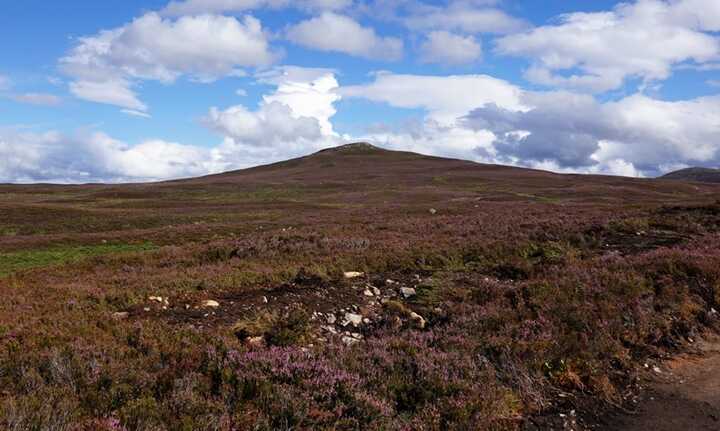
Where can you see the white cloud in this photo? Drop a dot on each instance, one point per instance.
(308, 92)
(194, 7)
(135, 113)
(55, 157)
(112, 92)
(291, 121)
(204, 47)
(447, 48)
(38, 99)
(575, 132)
(339, 33)
(598, 51)
(461, 15)
(445, 97)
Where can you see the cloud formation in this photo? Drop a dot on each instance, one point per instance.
(598, 51)
(339, 33)
(204, 47)
(446, 48)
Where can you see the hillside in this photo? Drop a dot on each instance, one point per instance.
(706, 175)
(354, 288)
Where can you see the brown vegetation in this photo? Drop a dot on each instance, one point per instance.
(539, 294)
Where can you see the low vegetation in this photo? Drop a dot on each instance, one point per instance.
(495, 310)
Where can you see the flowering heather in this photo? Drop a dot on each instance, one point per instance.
(522, 295)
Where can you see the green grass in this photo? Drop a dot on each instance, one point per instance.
(28, 259)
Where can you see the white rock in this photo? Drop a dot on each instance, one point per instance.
(265, 300)
(417, 320)
(433, 211)
(388, 281)
(349, 341)
(256, 341)
(408, 292)
(353, 274)
(209, 303)
(367, 292)
(331, 319)
(156, 299)
(353, 318)
(120, 315)
(376, 291)
(367, 321)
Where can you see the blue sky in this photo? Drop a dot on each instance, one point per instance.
(147, 90)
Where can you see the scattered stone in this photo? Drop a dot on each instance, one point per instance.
(408, 292)
(120, 315)
(433, 211)
(353, 274)
(256, 341)
(367, 321)
(388, 281)
(417, 320)
(331, 319)
(146, 309)
(265, 300)
(349, 341)
(657, 369)
(368, 292)
(355, 319)
(156, 299)
(329, 329)
(376, 291)
(209, 303)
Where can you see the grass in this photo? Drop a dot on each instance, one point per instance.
(29, 259)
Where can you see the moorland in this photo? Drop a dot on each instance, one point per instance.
(355, 288)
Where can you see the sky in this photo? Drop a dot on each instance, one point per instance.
(126, 91)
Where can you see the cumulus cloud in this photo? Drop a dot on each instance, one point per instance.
(466, 16)
(447, 48)
(291, 121)
(43, 99)
(575, 132)
(204, 47)
(445, 97)
(340, 33)
(194, 7)
(598, 51)
(56, 157)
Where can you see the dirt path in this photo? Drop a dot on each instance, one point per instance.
(684, 396)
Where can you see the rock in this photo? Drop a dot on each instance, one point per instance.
(146, 309)
(376, 291)
(408, 292)
(349, 341)
(433, 211)
(368, 292)
(355, 319)
(329, 329)
(159, 299)
(331, 319)
(209, 303)
(388, 281)
(367, 321)
(265, 300)
(120, 315)
(353, 274)
(255, 341)
(417, 320)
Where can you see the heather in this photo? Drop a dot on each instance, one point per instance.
(536, 294)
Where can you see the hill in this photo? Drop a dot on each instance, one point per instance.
(353, 288)
(706, 175)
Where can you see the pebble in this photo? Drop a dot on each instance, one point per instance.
(408, 292)
(209, 303)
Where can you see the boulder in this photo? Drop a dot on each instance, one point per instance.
(408, 292)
